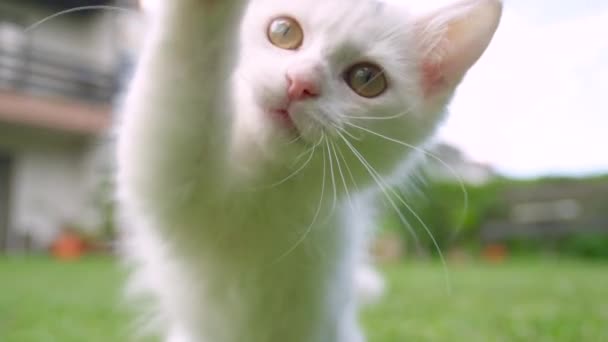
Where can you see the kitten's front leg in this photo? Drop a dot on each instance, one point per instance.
(191, 51)
(177, 115)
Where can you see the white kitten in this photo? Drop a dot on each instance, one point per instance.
(243, 157)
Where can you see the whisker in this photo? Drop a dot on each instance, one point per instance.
(395, 116)
(314, 219)
(384, 190)
(379, 180)
(296, 172)
(333, 179)
(78, 9)
(310, 149)
(348, 133)
(333, 147)
(295, 140)
(465, 193)
(352, 177)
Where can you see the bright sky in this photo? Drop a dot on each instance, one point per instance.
(537, 102)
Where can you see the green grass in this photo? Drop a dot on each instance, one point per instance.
(42, 300)
(47, 301)
(521, 301)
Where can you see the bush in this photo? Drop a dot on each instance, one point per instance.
(450, 219)
(441, 207)
(590, 246)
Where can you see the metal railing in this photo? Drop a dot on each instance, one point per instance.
(33, 71)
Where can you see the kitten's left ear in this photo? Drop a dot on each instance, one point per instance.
(452, 39)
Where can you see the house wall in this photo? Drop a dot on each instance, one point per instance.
(56, 176)
(47, 192)
(55, 184)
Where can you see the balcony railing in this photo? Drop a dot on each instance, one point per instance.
(33, 71)
(63, 4)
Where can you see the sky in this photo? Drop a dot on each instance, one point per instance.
(537, 102)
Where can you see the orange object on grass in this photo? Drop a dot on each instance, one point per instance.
(495, 253)
(68, 246)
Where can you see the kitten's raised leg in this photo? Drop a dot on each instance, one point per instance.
(178, 101)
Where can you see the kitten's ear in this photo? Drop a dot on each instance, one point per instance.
(452, 40)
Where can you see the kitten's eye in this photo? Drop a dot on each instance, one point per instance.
(286, 33)
(366, 79)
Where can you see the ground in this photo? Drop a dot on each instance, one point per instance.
(523, 300)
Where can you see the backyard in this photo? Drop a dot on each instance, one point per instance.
(522, 300)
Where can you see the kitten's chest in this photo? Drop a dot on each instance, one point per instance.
(261, 233)
(267, 276)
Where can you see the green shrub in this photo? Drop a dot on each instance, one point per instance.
(441, 206)
(449, 216)
(590, 246)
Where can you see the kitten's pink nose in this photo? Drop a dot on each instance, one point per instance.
(301, 87)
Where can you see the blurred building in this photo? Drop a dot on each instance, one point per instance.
(57, 86)
(451, 164)
(549, 210)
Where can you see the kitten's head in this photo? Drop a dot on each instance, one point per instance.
(335, 71)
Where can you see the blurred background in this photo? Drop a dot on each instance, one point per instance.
(525, 242)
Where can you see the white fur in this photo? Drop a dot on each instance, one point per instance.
(229, 253)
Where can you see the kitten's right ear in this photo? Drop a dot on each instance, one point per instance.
(452, 39)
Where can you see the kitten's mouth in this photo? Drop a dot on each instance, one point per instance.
(283, 117)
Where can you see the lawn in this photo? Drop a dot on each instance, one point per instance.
(525, 300)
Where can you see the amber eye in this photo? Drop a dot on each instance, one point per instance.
(286, 33)
(366, 79)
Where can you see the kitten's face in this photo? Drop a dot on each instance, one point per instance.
(314, 67)
(332, 71)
